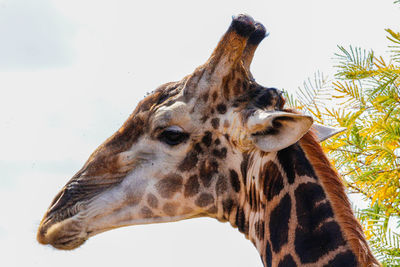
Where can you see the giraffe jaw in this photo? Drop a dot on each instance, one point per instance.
(72, 233)
(117, 207)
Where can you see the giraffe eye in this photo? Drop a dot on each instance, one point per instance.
(173, 136)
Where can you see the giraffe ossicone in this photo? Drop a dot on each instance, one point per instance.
(216, 144)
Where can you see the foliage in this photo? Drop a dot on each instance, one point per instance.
(385, 243)
(364, 97)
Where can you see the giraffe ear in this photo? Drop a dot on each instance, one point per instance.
(273, 131)
(325, 132)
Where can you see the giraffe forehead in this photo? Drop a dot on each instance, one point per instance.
(178, 112)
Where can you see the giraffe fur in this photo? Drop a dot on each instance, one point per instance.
(216, 144)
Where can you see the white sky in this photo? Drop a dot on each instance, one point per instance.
(72, 71)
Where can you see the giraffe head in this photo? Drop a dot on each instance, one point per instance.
(182, 152)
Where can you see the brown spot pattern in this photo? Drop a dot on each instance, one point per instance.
(273, 180)
(207, 138)
(215, 123)
(259, 228)
(205, 97)
(152, 201)
(207, 170)
(221, 185)
(221, 108)
(197, 148)
(189, 162)
(204, 200)
(168, 186)
(204, 119)
(220, 153)
(170, 208)
(133, 198)
(191, 186)
(234, 180)
(227, 205)
(243, 167)
(241, 222)
(146, 212)
(225, 85)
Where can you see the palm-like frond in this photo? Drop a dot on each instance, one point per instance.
(384, 242)
(291, 101)
(354, 63)
(394, 37)
(312, 95)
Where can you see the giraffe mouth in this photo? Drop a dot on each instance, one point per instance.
(68, 242)
(66, 235)
(60, 226)
(63, 226)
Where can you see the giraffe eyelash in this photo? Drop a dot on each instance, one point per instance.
(173, 136)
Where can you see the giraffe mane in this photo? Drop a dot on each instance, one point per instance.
(335, 191)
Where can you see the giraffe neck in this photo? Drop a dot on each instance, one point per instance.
(296, 213)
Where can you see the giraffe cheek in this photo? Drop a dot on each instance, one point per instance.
(169, 185)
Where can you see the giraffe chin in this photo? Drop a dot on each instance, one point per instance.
(64, 235)
(72, 244)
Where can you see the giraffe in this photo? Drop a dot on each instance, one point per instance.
(217, 144)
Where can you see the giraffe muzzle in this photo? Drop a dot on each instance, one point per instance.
(67, 234)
